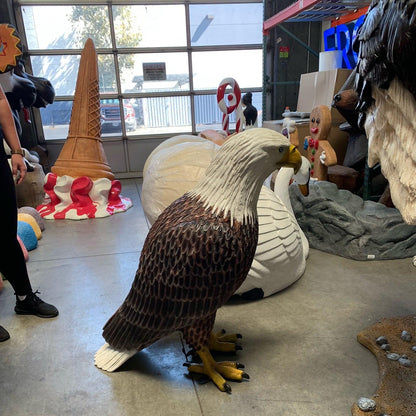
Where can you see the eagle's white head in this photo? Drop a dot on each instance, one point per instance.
(234, 178)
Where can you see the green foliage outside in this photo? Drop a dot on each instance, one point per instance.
(93, 22)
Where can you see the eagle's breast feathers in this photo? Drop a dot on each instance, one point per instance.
(190, 265)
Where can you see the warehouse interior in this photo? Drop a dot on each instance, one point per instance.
(301, 344)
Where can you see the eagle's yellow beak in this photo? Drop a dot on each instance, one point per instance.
(292, 159)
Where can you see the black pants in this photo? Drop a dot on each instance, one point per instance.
(12, 261)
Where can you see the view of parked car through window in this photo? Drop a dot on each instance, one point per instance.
(111, 119)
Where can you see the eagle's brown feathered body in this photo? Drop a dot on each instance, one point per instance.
(197, 254)
(190, 265)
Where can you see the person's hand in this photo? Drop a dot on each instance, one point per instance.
(18, 168)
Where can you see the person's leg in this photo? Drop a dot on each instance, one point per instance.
(12, 261)
(4, 335)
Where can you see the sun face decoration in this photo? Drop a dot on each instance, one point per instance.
(10, 47)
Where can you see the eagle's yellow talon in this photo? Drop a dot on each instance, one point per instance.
(221, 341)
(231, 373)
(218, 371)
(234, 364)
(223, 337)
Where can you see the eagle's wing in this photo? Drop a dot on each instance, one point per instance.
(191, 263)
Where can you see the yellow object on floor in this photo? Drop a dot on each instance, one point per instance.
(218, 371)
(32, 222)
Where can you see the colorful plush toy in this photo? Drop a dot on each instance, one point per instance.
(27, 235)
(24, 249)
(35, 214)
(32, 222)
(29, 229)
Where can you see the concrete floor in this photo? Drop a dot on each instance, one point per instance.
(299, 346)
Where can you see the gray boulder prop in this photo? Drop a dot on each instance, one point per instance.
(340, 222)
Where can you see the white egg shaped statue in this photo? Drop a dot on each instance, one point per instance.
(175, 167)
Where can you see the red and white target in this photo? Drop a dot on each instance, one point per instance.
(230, 102)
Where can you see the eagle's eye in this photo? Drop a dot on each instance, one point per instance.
(281, 149)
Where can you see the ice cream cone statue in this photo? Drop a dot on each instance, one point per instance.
(320, 152)
(81, 180)
(83, 153)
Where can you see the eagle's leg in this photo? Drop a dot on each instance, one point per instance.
(218, 372)
(220, 341)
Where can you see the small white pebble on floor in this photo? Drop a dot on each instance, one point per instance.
(381, 340)
(406, 336)
(366, 405)
(405, 362)
(393, 356)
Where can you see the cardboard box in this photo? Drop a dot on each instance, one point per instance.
(319, 88)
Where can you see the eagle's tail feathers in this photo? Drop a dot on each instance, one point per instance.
(109, 359)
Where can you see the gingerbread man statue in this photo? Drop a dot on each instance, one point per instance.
(320, 153)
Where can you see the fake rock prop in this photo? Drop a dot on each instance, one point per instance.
(340, 222)
(393, 342)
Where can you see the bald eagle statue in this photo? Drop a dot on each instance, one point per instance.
(196, 255)
(386, 88)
